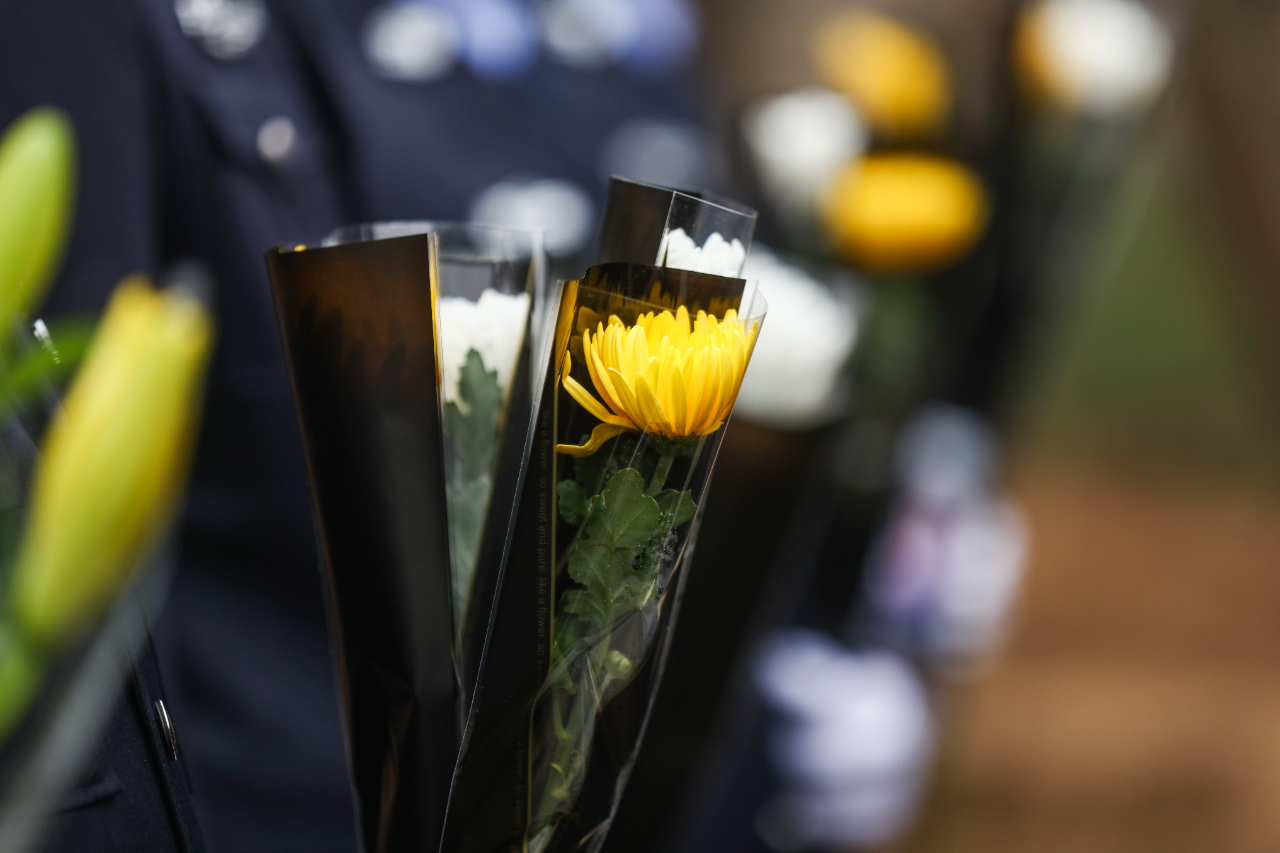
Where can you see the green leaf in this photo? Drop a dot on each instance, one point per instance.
(598, 567)
(677, 506)
(468, 502)
(625, 451)
(470, 436)
(620, 523)
(617, 664)
(572, 502)
(45, 364)
(592, 472)
(479, 387)
(636, 589)
(651, 559)
(585, 605)
(629, 517)
(20, 671)
(568, 632)
(471, 423)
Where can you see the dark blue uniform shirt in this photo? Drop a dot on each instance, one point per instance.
(171, 168)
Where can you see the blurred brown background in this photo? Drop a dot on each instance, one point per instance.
(1136, 705)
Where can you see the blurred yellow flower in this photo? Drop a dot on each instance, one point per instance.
(664, 375)
(898, 77)
(905, 212)
(114, 460)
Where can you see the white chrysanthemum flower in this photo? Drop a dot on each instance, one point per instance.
(802, 349)
(717, 256)
(800, 142)
(492, 326)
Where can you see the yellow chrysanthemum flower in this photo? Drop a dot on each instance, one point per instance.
(664, 375)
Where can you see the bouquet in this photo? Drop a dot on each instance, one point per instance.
(640, 376)
(407, 349)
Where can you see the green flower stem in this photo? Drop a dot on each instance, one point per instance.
(615, 562)
(568, 762)
(20, 671)
(660, 474)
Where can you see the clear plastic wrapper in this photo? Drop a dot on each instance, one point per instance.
(700, 232)
(640, 379)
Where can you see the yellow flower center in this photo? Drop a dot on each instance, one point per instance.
(665, 375)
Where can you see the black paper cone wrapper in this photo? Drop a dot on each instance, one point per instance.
(358, 328)
(591, 586)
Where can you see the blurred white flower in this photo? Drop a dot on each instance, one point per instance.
(793, 379)
(950, 578)
(589, 33)
(1100, 56)
(952, 559)
(660, 151)
(647, 37)
(984, 560)
(561, 210)
(667, 37)
(856, 735)
(799, 143)
(226, 29)
(945, 456)
(499, 37)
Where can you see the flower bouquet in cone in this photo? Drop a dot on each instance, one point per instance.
(641, 372)
(408, 350)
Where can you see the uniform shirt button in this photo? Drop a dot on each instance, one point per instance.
(277, 140)
(167, 733)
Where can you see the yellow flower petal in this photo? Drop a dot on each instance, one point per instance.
(679, 411)
(599, 436)
(586, 401)
(626, 396)
(710, 392)
(649, 405)
(598, 376)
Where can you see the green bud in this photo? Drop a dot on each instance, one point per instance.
(37, 194)
(617, 664)
(113, 463)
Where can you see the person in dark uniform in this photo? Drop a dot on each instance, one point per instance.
(214, 129)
